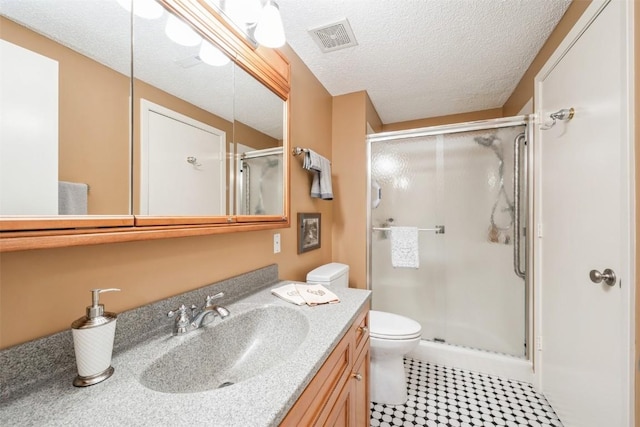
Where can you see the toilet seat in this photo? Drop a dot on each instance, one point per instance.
(392, 326)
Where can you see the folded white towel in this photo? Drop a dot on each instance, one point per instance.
(321, 186)
(301, 293)
(289, 293)
(72, 198)
(404, 247)
(316, 294)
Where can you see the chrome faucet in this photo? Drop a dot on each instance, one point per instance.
(185, 323)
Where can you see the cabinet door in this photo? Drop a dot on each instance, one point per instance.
(342, 413)
(361, 387)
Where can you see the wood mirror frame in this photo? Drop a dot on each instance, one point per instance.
(268, 66)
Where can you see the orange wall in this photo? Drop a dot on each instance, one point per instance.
(349, 170)
(43, 291)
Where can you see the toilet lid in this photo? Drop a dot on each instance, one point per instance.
(392, 326)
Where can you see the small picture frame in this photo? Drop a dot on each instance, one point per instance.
(308, 232)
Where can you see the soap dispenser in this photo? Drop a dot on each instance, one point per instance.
(93, 336)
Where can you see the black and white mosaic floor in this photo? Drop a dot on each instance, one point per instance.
(449, 397)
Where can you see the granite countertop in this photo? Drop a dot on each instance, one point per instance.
(262, 400)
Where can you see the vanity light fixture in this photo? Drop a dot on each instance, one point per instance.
(244, 11)
(181, 33)
(147, 9)
(210, 54)
(269, 31)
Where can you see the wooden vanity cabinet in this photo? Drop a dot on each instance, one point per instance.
(339, 393)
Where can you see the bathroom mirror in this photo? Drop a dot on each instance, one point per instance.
(196, 114)
(101, 106)
(65, 116)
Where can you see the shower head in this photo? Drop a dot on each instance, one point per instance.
(492, 142)
(485, 141)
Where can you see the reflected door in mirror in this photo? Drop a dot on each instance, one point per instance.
(183, 165)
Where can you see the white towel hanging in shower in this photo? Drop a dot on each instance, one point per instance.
(404, 247)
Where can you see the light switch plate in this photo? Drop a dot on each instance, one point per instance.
(276, 243)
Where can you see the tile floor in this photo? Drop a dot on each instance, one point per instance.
(447, 397)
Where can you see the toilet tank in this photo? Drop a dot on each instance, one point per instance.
(333, 274)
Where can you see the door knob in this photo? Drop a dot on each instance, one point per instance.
(608, 276)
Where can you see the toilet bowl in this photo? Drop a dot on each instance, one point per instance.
(391, 337)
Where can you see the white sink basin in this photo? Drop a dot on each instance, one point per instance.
(228, 352)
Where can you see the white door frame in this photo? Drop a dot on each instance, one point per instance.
(626, 169)
(146, 107)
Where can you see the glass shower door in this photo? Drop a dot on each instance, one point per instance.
(465, 291)
(259, 181)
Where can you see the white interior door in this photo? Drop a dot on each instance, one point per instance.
(28, 132)
(584, 223)
(183, 165)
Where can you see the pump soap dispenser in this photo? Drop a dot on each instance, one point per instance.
(93, 336)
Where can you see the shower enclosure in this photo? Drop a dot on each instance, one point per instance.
(259, 182)
(456, 184)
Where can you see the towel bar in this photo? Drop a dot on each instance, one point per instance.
(298, 150)
(439, 229)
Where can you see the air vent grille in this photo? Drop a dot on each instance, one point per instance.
(332, 37)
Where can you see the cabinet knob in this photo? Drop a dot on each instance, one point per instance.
(363, 329)
(357, 376)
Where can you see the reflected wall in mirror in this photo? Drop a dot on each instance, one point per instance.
(65, 113)
(195, 114)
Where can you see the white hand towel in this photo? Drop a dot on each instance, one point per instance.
(301, 293)
(316, 294)
(404, 247)
(289, 293)
(321, 166)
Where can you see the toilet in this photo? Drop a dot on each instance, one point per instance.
(391, 337)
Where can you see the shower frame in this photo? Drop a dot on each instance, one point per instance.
(522, 120)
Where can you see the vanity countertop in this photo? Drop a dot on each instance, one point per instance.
(262, 400)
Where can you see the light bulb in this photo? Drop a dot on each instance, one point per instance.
(243, 11)
(269, 31)
(147, 9)
(181, 33)
(209, 54)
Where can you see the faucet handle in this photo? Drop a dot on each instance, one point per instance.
(182, 322)
(180, 311)
(210, 298)
(222, 311)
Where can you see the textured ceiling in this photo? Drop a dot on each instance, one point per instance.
(424, 58)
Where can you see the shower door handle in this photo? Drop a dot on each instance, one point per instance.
(517, 268)
(608, 276)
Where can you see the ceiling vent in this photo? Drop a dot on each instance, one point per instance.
(332, 37)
